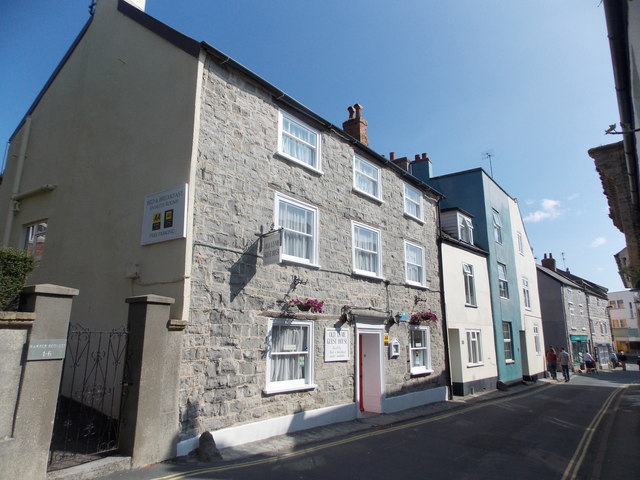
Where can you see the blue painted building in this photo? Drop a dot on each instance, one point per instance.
(476, 192)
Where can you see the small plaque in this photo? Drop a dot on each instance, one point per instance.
(46, 349)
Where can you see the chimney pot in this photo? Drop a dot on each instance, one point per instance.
(549, 262)
(356, 126)
(392, 156)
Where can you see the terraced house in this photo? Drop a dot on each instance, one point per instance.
(302, 265)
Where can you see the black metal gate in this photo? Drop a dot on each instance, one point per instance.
(92, 394)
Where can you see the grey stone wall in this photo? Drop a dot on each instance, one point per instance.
(233, 294)
(598, 316)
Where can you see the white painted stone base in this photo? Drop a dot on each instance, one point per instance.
(415, 399)
(252, 432)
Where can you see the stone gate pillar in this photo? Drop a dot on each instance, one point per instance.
(149, 420)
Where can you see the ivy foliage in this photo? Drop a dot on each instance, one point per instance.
(15, 266)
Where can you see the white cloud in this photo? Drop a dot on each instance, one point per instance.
(550, 210)
(573, 196)
(598, 242)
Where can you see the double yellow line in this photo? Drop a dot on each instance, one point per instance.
(355, 438)
(575, 463)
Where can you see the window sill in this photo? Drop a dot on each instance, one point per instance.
(473, 365)
(291, 261)
(415, 219)
(297, 388)
(421, 372)
(420, 286)
(509, 362)
(306, 166)
(368, 195)
(470, 305)
(369, 275)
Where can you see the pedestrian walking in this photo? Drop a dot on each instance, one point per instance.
(564, 362)
(552, 363)
(589, 362)
(614, 359)
(623, 359)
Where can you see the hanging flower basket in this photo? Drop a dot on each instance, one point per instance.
(423, 317)
(307, 305)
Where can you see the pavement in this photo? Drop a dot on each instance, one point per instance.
(285, 443)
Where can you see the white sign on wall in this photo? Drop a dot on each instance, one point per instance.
(272, 248)
(336, 345)
(165, 216)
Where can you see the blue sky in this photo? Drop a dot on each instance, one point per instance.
(529, 82)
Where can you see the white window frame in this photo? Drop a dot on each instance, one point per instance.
(425, 346)
(378, 272)
(526, 295)
(520, 244)
(465, 229)
(474, 348)
(280, 198)
(497, 226)
(536, 340)
(33, 232)
(410, 190)
(508, 342)
(422, 282)
(305, 383)
(316, 165)
(377, 179)
(469, 285)
(503, 283)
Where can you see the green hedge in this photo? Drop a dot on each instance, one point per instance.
(15, 266)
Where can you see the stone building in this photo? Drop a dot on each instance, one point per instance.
(623, 312)
(574, 313)
(188, 176)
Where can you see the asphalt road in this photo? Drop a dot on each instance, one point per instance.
(586, 429)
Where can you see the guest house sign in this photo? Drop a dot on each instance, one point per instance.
(165, 216)
(272, 247)
(336, 344)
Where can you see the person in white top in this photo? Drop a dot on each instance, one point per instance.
(589, 362)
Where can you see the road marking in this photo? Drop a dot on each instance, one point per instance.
(578, 457)
(263, 461)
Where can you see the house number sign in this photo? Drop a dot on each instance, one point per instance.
(46, 349)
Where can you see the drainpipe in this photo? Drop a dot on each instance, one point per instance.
(445, 331)
(16, 181)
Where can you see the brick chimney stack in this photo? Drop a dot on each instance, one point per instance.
(402, 162)
(356, 126)
(549, 262)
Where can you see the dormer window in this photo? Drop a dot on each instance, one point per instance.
(465, 229)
